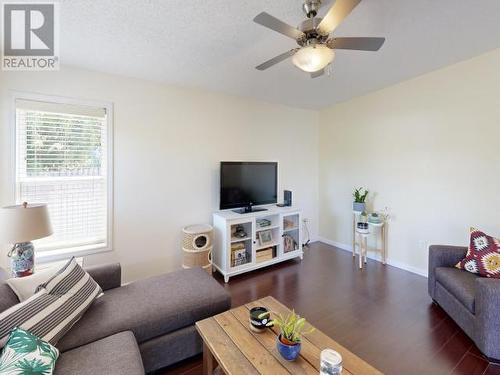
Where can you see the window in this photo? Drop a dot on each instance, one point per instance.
(63, 158)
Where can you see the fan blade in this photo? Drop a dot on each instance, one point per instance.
(265, 19)
(276, 59)
(317, 74)
(336, 15)
(360, 44)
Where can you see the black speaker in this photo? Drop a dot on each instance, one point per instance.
(287, 198)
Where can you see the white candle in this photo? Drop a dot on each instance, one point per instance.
(331, 362)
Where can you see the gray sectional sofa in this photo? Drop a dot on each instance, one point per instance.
(472, 301)
(138, 327)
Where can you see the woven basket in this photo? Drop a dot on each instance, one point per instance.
(197, 247)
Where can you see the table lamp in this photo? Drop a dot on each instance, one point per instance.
(19, 225)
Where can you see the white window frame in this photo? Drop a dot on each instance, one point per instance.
(54, 255)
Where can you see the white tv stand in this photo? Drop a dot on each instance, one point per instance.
(285, 221)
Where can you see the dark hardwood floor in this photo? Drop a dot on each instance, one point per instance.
(383, 314)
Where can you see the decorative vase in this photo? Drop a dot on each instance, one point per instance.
(358, 207)
(289, 352)
(22, 259)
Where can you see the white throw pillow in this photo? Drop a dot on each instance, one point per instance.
(25, 287)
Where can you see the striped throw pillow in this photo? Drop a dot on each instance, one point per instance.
(56, 306)
(64, 281)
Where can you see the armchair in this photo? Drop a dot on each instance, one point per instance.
(472, 301)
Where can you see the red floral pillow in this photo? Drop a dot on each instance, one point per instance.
(483, 256)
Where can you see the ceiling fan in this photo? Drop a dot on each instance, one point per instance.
(316, 47)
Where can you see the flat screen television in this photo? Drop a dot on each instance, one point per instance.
(247, 184)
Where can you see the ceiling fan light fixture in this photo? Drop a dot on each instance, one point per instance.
(313, 58)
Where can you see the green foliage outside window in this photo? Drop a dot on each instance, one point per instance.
(62, 145)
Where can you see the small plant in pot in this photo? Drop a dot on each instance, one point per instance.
(359, 203)
(291, 330)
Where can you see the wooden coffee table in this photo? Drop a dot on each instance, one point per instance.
(228, 340)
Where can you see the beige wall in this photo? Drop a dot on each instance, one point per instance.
(168, 143)
(428, 148)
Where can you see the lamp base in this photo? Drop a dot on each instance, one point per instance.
(22, 259)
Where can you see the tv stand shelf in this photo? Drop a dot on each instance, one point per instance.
(232, 256)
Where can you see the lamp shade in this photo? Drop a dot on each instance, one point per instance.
(313, 58)
(24, 223)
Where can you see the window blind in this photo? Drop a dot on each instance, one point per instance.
(62, 161)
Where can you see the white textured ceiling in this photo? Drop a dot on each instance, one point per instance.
(214, 45)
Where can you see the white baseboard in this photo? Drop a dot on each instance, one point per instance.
(335, 243)
(377, 257)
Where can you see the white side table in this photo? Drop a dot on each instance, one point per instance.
(363, 239)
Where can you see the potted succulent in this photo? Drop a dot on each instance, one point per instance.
(359, 195)
(291, 329)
